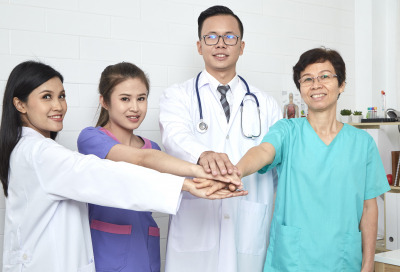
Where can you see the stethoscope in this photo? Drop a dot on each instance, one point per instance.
(202, 126)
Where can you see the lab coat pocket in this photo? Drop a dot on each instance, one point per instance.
(193, 227)
(352, 256)
(286, 252)
(87, 268)
(110, 245)
(153, 247)
(251, 233)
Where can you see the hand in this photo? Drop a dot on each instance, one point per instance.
(233, 178)
(220, 193)
(213, 163)
(214, 186)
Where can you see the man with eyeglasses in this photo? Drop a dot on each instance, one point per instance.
(208, 126)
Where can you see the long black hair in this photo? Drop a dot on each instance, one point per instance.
(24, 78)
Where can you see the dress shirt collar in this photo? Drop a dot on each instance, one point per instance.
(214, 83)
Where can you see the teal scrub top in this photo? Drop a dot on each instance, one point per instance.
(320, 196)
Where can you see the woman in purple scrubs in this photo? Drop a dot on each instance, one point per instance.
(125, 240)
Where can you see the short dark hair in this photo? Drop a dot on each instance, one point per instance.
(24, 78)
(320, 55)
(217, 10)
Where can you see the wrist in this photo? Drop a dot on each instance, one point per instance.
(186, 185)
(240, 171)
(368, 266)
(194, 170)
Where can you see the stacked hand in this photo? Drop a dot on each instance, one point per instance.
(210, 189)
(218, 176)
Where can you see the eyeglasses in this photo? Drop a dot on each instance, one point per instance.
(214, 39)
(308, 81)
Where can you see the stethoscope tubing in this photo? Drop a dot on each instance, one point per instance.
(241, 106)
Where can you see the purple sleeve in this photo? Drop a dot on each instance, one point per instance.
(94, 141)
(155, 146)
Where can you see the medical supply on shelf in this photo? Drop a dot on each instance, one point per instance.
(383, 95)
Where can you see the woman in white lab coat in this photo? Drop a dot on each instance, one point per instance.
(47, 186)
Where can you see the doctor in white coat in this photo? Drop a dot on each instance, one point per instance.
(230, 235)
(47, 186)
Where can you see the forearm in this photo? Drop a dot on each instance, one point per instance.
(154, 159)
(165, 163)
(369, 228)
(256, 158)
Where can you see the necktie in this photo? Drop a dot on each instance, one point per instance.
(225, 105)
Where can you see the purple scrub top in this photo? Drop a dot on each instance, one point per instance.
(123, 240)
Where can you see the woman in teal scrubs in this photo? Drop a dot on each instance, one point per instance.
(330, 173)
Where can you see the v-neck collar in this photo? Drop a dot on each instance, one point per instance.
(319, 138)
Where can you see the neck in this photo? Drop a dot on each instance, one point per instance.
(324, 122)
(125, 136)
(26, 123)
(223, 77)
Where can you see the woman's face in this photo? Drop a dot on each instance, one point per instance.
(320, 97)
(128, 104)
(45, 108)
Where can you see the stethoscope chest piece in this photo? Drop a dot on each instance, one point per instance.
(202, 127)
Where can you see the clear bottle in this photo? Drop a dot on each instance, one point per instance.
(383, 94)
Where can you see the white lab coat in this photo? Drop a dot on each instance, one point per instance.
(46, 223)
(229, 235)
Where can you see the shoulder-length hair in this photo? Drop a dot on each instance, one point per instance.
(24, 78)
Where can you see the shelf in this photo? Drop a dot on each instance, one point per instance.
(373, 125)
(397, 188)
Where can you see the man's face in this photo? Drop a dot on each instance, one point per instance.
(220, 57)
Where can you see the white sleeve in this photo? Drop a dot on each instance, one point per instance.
(65, 174)
(177, 126)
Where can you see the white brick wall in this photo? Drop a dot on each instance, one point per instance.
(81, 37)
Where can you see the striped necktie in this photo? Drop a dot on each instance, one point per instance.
(225, 105)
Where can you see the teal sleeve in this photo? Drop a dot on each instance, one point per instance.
(376, 182)
(276, 136)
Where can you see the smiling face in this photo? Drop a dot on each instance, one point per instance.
(220, 57)
(128, 104)
(45, 108)
(321, 97)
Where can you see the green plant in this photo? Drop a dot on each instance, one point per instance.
(357, 112)
(345, 112)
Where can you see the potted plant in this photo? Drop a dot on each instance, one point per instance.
(357, 116)
(346, 116)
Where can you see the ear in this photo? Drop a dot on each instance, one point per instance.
(199, 48)
(19, 105)
(242, 44)
(341, 88)
(103, 103)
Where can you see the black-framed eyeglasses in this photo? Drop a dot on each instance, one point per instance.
(213, 39)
